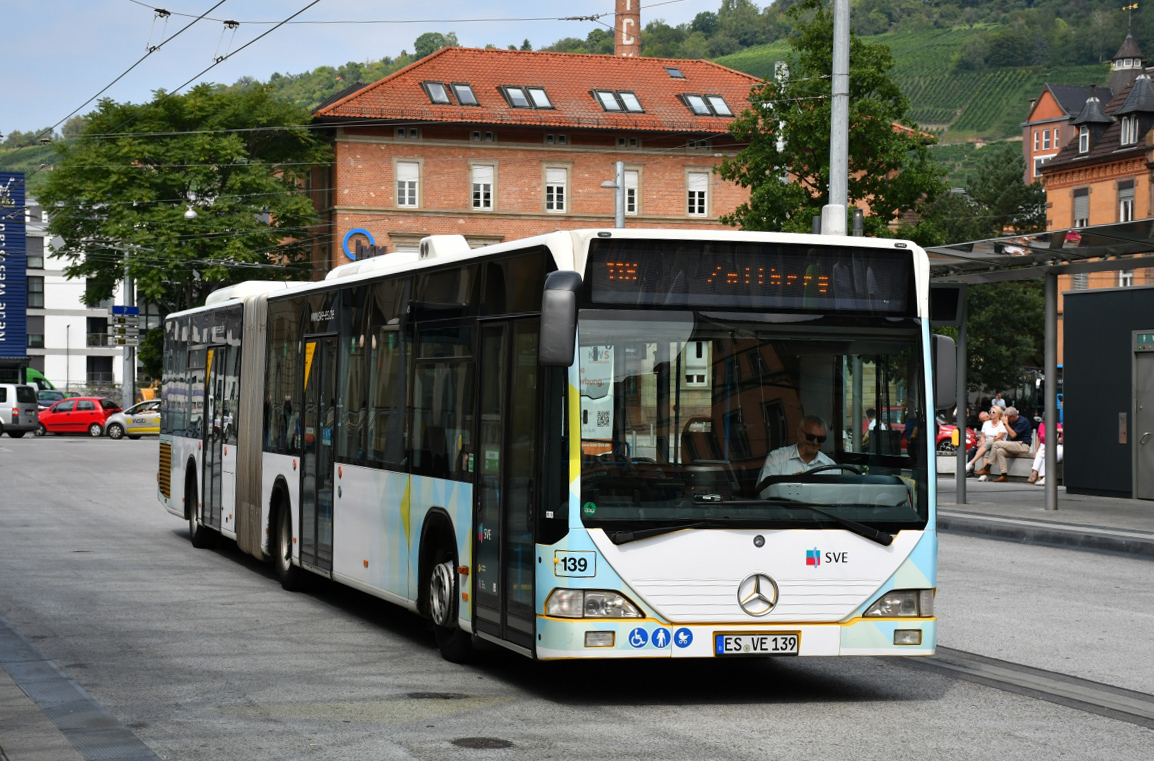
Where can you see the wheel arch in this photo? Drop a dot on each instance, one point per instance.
(436, 531)
(278, 496)
(190, 474)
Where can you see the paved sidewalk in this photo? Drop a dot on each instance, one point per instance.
(1017, 512)
(26, 734)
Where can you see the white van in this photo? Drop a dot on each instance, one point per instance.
(19, 412)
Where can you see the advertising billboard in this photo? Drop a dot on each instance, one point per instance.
(13, 267)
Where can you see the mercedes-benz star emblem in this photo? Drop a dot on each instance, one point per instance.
(757, 594)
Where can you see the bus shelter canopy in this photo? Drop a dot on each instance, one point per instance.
(1027, 257)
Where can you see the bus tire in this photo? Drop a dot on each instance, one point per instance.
(282, 551)
(201, 536)
(455, 644)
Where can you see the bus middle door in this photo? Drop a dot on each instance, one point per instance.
(216, 359)
(505, 470)
(320, 389)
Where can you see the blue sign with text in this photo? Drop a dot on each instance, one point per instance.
(13, 267)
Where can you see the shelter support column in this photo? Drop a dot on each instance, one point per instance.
(963, 398)
(1050, 416)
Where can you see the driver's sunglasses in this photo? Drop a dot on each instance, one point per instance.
(812, 438)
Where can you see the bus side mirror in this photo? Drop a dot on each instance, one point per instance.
(945, 372)
(559, 319)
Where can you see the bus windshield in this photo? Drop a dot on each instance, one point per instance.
(679, 410)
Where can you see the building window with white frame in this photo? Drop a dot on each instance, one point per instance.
(556, 189)
(1083, 140)
(483, 175)
(697, 193)
(1130, 129)
(1037, 139)
(1126, 201)
(1056, 132)
(1125, 278)
(631, 179)
(408, 183)
(1082, 207)
(1045, 140)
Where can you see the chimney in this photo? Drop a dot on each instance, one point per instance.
(628, 26)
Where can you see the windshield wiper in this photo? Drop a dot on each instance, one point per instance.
(874, 535)
(624, 537)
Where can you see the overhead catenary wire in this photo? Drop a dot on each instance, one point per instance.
(480, 20)
(150, 50)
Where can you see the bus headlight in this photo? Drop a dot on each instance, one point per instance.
(589, 603)
(904, 603)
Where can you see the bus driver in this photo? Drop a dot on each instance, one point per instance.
(803, 456)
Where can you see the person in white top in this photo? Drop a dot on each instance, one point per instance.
(993, 429)
(999, 402)
(801, 457)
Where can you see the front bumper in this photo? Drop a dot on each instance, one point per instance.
(647, 638)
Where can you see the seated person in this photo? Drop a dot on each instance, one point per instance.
(803, 456)
(1038, 473)
(1019, 437)
(993, 429)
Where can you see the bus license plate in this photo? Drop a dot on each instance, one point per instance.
(756, 643)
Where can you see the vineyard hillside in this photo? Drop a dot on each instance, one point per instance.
(956, 105)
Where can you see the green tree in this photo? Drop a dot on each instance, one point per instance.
(430, 42)
(996, 202)
(785, 165)
(1004, 333)
(120, 191)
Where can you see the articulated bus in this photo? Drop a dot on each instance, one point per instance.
(559, 444)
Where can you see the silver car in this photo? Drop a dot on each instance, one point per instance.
(18, 409)
(138, 420)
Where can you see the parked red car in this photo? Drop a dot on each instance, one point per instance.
(944, 442)
(82, 414)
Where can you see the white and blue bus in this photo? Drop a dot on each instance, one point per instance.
(557, 444)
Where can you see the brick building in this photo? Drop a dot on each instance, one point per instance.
(499, 144)
(1047, 126)
(1095, 163)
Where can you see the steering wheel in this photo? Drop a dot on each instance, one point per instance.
(774, 479)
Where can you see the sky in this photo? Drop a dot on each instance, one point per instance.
(60, 53)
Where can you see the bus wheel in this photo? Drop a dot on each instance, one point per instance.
(455, 644)
(282, 556)
(202, 536)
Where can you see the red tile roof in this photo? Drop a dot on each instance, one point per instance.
(568, 79)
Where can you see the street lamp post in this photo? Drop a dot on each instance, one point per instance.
(67, 355)
(618, 186)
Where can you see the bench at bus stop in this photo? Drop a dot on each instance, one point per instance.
(1020, 466)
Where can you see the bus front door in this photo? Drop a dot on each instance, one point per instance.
(216, 359)
(320, 389)
(505, 472)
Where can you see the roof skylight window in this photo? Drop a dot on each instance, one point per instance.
(517, 97)
(698, 105)
(674, 72)
(719, 106)
(608, 100)
(465, 94)
(539, 98)
(437, 92)
(619, 100)
(706, 105)
(630, 100)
